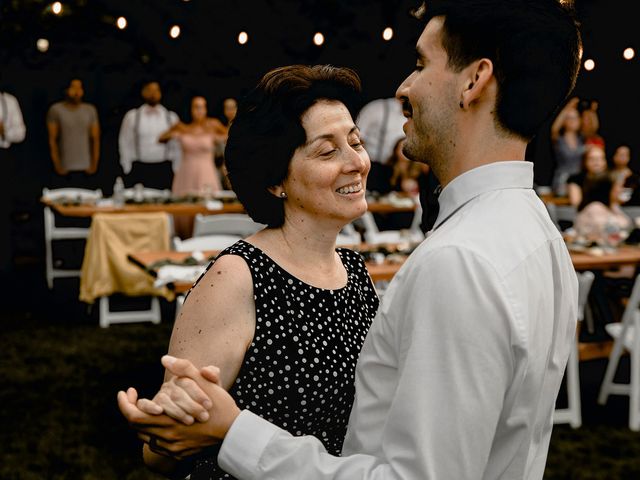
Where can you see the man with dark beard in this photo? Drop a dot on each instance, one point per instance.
(144, 159)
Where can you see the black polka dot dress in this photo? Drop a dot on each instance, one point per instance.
(298, 372)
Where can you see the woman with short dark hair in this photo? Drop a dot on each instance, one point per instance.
(283, 313)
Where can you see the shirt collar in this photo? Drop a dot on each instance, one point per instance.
(149, 110)
(486, 178)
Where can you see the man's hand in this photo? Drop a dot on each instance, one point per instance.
(163, 434)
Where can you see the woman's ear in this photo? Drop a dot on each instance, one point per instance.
(277, 191)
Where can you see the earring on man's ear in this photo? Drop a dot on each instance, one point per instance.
(283, 195)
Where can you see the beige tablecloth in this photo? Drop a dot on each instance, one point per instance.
(105, 268)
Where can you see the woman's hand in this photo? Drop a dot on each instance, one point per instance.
(181, 398)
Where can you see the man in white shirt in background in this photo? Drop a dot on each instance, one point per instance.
(144, 159)
(12, 130)
(459, 373)
(380, 122)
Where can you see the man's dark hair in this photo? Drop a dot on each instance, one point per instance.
(535, 47)
(268, 129)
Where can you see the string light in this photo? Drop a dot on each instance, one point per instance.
(174, 32)
(243, 38)
(589, 65)
(56, 8)
(387, 34)
(121, 23)
(628, 53)
(318, 39)
(42, 44)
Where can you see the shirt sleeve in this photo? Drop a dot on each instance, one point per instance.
(52, 115)
(14, 130)
(126, 142)
(174, 150)
(93, 115)
(447, 328)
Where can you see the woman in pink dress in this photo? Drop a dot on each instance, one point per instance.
(197, 174)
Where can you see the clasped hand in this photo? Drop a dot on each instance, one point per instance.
(189, 413)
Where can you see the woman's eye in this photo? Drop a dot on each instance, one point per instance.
(328, 153)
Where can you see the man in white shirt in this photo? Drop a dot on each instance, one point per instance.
(380, 122)
(144, 159)
(458, 376)
(12, 130)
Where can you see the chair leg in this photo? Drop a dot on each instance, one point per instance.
(612, 366)
(49, 263)
(634, 396)
(573, 387)
(104, 312)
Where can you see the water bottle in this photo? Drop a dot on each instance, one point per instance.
(118, 193)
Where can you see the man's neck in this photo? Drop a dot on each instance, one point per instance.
(480, 146)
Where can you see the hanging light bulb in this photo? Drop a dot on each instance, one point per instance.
(56, 8)
(243, 37)
(121, 23)
(387, 34)
(589, 64)
(174, 32)
(629, 53)
(42, 44)
(318, 39)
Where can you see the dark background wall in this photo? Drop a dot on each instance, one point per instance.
(206, 59)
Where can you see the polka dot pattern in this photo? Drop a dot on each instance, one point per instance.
(299, 371)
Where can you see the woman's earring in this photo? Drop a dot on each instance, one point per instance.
(283, 195)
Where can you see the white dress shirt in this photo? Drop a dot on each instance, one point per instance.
(11, 118)
(459, 373)
(380, 123)
(139, 133)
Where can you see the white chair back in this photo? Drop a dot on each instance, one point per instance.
(53, 232)
(238, 224)
(205, 242)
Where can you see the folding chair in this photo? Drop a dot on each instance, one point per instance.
(573, 413)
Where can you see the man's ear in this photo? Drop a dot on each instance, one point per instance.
(476, 81)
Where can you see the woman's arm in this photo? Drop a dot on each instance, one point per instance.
(215, 327)
(574, 191)
(556, 126)
(171, 133)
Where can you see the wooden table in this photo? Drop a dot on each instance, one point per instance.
(146, 260)
(88, 210)
(625, 255)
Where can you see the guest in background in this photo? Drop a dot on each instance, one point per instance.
(620, 170)
(600, 209)
(197, 174)
(594, 166)
(144, 159)
(401, 175)
(568, 146)
(12, 130)
(74, 137)
(380, 122)
(590, 123)
(229, 110)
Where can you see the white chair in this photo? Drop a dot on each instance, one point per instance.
(566, 213)
(626, 337)
(573, 413)
(373, 235)
(238, 224)
(53, 232)
(205, 242)
(109, 317)
(348, 236)
(631, 211)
